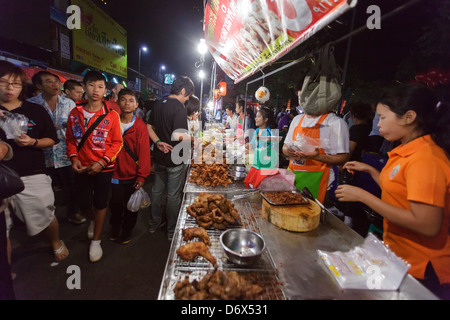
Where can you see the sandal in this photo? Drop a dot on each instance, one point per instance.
(62, 252)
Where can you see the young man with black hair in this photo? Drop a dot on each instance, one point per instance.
(132, 167)
(112, 98)
(73, 90)
(94, 140)
(167, 128)
(58, 166)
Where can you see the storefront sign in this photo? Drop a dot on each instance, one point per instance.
(64, 46)
(100, 42)
(246, 35)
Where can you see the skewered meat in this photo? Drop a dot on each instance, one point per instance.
(194, 249)
(196, 232)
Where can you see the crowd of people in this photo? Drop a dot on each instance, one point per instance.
(97, 151)
(97, 147)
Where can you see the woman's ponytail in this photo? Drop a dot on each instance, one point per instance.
(433, 116)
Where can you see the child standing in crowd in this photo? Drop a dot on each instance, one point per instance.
(35, 205)
(94, 140)
(132, 166)
(415, 184)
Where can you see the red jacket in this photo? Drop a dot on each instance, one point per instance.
(104, 143)
(112, 105)
(138, 140)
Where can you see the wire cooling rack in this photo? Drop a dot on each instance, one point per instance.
(234, 187)
(262, 273)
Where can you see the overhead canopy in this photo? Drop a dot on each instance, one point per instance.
(244, 36)
(63, 76)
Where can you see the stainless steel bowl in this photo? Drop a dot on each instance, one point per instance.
(242, 246)
(238, 175)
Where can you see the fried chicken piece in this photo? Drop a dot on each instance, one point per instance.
(236, 216)
(218, 285)
(252, 291)
(213, 210)
(229, 218)
(194, 249)
(196, 232)
(219, 226)
(205, 221)
(210, 175)
(217, 216)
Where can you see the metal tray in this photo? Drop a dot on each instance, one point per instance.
(177, 269)
(237, 186)
(306, 200)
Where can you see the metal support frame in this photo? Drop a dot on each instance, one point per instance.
(347, 36)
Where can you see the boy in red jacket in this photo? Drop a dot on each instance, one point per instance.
(93, 160)
(132, 166)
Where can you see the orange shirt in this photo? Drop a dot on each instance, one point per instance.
(418, 171)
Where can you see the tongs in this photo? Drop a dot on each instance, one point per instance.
(245, 195)
(310, 196)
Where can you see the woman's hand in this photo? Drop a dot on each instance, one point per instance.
(24, 141)
(354, 166)
(349, 193)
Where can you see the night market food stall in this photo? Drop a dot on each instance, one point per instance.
(293, 265)
(234, 242)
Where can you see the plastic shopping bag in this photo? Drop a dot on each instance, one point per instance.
(371, 265)
(138, 200)
(13, 124)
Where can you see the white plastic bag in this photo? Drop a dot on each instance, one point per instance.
(303, 143)
(13, 124)
(307, 144)
(371, 266)
(282, 181)
(138, 200)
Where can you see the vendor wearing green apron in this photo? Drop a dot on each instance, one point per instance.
(313, 169)
(264, 149)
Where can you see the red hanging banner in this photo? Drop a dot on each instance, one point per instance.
(246, 35)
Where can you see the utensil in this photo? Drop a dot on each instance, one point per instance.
(309, 195)
(242, 246)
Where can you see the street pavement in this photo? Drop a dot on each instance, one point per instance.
(126, 272)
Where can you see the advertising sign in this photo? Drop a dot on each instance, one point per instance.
(100, 42)
(246, 35)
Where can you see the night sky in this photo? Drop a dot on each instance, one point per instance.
(171, 30)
